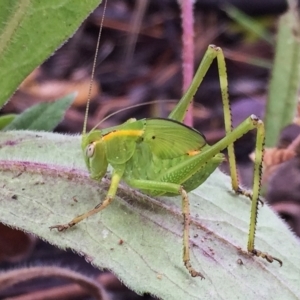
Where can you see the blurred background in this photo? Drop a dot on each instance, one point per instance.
(140, 60)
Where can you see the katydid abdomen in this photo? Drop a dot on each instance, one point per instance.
(179, 170)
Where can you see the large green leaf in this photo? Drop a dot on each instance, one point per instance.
(6, 119)
(44, 183)
(30, 30)
(42, 116)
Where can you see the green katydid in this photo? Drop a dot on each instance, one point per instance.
(164, 157)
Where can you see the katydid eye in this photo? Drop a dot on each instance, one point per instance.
(90, 149)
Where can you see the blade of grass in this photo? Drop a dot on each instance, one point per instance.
(284, 85)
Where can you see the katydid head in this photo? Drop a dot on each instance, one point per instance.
(94, 153)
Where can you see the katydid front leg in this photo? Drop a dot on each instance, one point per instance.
(115, 180)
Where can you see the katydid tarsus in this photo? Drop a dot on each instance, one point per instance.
(164, 157)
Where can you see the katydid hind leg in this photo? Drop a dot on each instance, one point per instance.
(186, 230)
(228, 123)
(259, 147)
(179, 111)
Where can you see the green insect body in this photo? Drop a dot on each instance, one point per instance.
(159, 150)
(165, 157)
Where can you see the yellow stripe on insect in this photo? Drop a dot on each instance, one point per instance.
(193, 152)
(118, 133)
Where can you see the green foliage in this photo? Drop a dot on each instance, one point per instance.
(6, 119)
(249, 24)
(285, 78)
(43, 116)
(285, 81)
(30, 30)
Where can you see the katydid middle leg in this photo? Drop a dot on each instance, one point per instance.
(167, 187)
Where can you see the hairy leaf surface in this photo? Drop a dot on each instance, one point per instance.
(44, 182)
